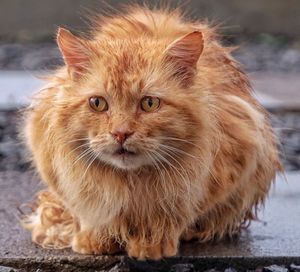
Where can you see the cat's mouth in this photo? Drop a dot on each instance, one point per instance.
(122, 151)
(124, 157)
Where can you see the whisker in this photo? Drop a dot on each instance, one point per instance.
(180, 165)
(176, 150)
(92, 160)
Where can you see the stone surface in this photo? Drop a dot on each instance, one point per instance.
(295, 268)
(275, 240)
(275, 268)
(8, 269)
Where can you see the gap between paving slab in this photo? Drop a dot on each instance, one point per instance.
(274, 90)
(273, 240)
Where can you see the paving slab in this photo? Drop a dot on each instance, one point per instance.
(275, 90)
(275, 239)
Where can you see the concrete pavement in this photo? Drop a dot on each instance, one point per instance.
(273, 240)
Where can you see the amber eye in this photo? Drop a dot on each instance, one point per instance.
(150, 103)
(98, 103)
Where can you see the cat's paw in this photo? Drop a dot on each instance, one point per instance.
(166, 248)
(85, 242)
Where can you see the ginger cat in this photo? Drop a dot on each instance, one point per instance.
(149, 134)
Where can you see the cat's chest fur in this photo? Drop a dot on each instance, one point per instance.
(99, 197)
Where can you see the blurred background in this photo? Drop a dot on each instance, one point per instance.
(267, 31)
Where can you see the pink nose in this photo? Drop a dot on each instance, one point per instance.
(121, 136)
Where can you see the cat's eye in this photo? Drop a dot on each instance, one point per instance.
(98, 103)
(150, 104)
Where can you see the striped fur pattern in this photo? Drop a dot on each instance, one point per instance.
(203, 162)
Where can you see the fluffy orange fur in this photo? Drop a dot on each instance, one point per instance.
(196, 167)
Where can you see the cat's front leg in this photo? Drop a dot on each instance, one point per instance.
(142, 250)
(90, 242)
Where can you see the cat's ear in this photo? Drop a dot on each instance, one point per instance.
(75, 52)
(184, 54)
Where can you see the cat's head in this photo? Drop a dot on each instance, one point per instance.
(132, 101)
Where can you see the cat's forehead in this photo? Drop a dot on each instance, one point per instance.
(127, 56)
(128, 67)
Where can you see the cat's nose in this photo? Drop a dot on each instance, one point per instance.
(121, 136)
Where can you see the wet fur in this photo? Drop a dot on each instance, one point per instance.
(222, 155)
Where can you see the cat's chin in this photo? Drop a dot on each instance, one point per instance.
(125, 161)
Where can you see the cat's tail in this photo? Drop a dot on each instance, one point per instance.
(50, 223)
